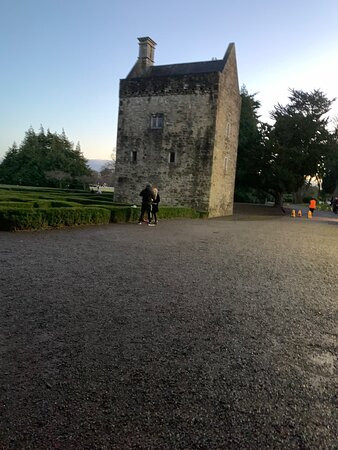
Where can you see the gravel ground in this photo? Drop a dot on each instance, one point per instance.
(194, 334)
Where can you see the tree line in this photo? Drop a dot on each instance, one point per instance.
(49, 159)
(297, 148)
(273, 159)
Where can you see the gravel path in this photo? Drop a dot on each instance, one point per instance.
(194, 334)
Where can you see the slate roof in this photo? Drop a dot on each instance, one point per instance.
(185, 68)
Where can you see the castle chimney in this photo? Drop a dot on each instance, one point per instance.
(146, 51)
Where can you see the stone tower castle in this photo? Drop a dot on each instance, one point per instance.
(178, 130)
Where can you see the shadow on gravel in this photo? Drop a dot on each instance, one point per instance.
(327, 221)
(249, 211)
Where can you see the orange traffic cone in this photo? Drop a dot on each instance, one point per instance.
(299, 214)
(293, 213)
(309, 215)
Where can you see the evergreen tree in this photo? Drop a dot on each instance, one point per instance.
(297, 145)
(330, 176)
(278, 158)
(249, 148)
(39, 155)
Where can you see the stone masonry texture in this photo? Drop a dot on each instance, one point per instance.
(200, 126)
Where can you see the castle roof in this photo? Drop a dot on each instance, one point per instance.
(144, 67)
(185, 68)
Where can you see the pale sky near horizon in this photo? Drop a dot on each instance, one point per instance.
(61, 60)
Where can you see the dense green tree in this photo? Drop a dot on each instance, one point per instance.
(278, 158)
(60, 177)
(249, 153)
(39, 156)
(297, 145)
(330, 176)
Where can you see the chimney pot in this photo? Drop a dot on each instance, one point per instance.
(146, 51)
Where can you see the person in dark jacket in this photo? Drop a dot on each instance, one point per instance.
(334, 203)
(147, 199)
(154, 206)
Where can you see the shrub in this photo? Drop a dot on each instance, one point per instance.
(129, 214)
(61, 204)
(15, 205)
(88, 201)
(169, 212)
(41, 204)
(41, 208)
(15, 199)
(32, 219)
(324, 207)
(250, 195)
(121, 213)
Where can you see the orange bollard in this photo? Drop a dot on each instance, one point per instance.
(309, 215)
(293, 213)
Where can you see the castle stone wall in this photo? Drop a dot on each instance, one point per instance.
(226, 141)
(200, 105)
(189, 109)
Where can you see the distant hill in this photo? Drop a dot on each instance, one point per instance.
(97, 164)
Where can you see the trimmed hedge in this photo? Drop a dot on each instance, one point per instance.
(61, 204)
(89, 201)
(37, 204)
(38, 208)
(119, 214)
(172, 212)
(130, 214)
(15, 205)
(15, 199)
(38, 218)
(33, 219)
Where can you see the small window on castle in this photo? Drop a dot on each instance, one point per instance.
(133, 156)
(156, 121)
(172, 157)
(228, 130)
(226, 159)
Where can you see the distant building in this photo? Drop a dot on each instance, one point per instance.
(178, 129)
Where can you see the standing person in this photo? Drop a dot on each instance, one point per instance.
(335, 205)
(312, 205)
(147, 199)
(154, 206)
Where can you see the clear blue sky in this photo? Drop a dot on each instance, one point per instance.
(61, 60)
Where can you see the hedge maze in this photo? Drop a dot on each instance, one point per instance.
(32, 208)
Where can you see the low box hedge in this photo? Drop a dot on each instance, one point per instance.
(172, 212)
(120, 214)
(89, 201)
(62, 204)
(7, 198)
(132, 214)
(44, 214)
(15, 205)
(33, 219)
